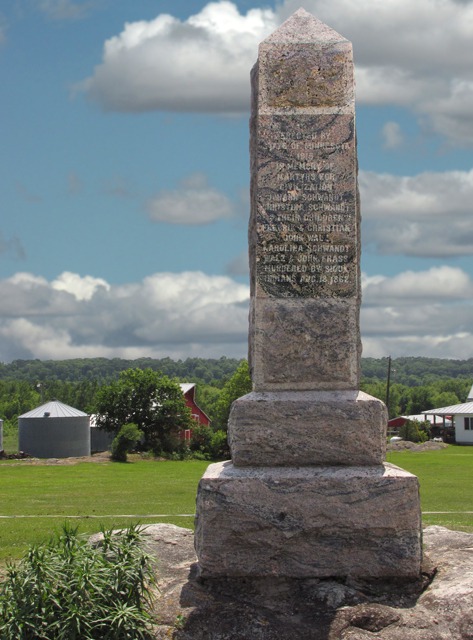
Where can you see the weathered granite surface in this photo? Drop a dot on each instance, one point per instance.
(304, 343)
(308, 522)
(304, 224)
(306, 495)
(437, 606)
(292, 428)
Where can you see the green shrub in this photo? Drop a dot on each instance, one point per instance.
(219, 449)
(68, 589)
(198, 455)
(415, 431)
(125, 441)
(201, 438)
(207, 444)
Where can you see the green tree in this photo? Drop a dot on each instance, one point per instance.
(149, 399)
(445, 399)
(238, 385)
(207, 397)
(420, 400)
(17, 397)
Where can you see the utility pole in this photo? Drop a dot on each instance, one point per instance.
(39, 386)
(388, 384)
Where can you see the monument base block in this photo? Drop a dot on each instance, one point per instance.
(292, 428)
(308, 522)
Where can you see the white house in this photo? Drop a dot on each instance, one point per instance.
(462, 417)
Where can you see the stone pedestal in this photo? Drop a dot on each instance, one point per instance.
(307, 494)
(308, 522)
(293, 428)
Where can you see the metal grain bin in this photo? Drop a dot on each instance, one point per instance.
(100, 440)
(54, 430)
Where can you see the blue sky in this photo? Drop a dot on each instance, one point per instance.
(125, 174)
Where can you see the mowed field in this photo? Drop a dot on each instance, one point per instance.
(36, 499)
(446, 484)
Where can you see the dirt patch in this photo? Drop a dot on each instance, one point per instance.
(405, 445)
(102, 457)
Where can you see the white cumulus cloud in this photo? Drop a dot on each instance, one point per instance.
(200, 64)
(194, 202)
(190, 314)
(392, 135)
(404, 52)
(426, 313)
(433, 286)
(82, 288)
(427, 215)
(167, 314)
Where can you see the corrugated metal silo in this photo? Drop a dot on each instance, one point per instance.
(54, 430)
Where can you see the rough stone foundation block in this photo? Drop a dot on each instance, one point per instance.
(310, 522)
(291, 428)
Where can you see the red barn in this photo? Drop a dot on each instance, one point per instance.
(188, 389)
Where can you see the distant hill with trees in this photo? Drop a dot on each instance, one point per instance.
(411, 372)
(414, 372)
(416, 384)
(104, 370)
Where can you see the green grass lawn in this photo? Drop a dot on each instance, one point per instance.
(10, 438)
(446, 484)
(98, 493)
(113, 494)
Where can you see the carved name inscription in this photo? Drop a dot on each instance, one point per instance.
(306, 222)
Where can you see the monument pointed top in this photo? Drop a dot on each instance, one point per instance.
(302, 26)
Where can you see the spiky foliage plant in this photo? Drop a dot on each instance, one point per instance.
(68, 589)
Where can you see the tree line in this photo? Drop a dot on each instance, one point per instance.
(408, 371)
(408, 401)
(416, 371)
(416, 384)
(103, 370)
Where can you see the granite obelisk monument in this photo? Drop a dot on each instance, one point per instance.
(307, 493)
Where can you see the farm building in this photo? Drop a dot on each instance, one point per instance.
(101, 440)
(188, 389)
(394, 424)
(462, 417)
(54, 430)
